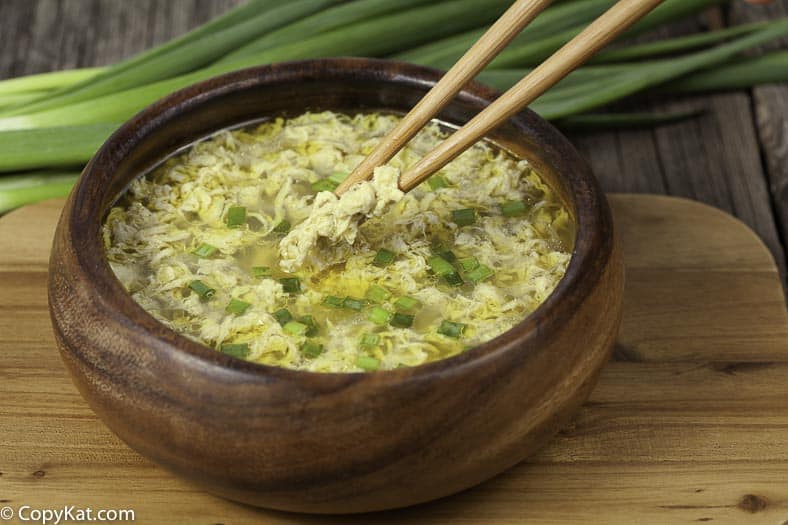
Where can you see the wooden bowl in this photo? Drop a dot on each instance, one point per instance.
(328, 443)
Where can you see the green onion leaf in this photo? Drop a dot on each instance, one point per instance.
(239, 350)
(464, 217)
(377, 294)
(379, 315)
(513, 208)
(333, 301)
(311, 349)
(338, 177)
(352, 303)
(236, 216)
(259, 272)
(283, 227)
(399, 320)
(291, 285)
(324, 185)
(454, 279)
(367, 363)
(237, 307)
(312, 328)
(205, 250)
(202, 289)
(440, 266)
(383, 258)
(479, 274)
(406, 303)
(283, 316)
(468, 263)
(437, 182)
(370, 340)
(295, 328)
(451, 329)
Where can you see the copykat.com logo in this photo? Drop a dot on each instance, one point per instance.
(68, 513)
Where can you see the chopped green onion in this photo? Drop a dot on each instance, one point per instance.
(239, 350)
(236, 216)
(448, 255)
(440, 266)
(333, 301)
(324, 185)
(370, 340)
(454, 279)
(311, 349)
(437, 181)
(480, 273)
(283, 316)
(383, 258)
(295, 328)
(377, 294)
(406, 303)
(468, 263)
(237, 307)
(464, 217)
(513, 208)
(202, 289)
(283, 227)
(379, 315)
(338, 177)
(451, 329)
(365, 362)
(261, 271)
(313, 329)
(401, 320)
(291, 285)
(205, 250)
(352, 303)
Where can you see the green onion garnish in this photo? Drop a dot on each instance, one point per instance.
(202, 289)
(352, 303)
(401, 320)
(377, 294)
(448, 255)
(261, 271)
(513, 208)
(379, 315)
(205, 250)
(313, 329)
(370, 340)
(406, 303)
(338, 177)
(324, 185)
(440, 266)
(333, 301)
(237, 307)
(283, 316)
(468, 263)
(283, 227)
(295, 328)
(451, 329)
(365, 362)
(291, 285)
(436, 182)
(383, 258)
(311, 349)
(236, 216)
(239, 350)
(464, 217)
(479, 273)
(454, 279)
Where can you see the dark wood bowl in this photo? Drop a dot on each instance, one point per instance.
(328, 443)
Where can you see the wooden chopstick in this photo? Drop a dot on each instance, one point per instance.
(508, 25)
(593, 38)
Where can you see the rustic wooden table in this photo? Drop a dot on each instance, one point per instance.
(735, 157)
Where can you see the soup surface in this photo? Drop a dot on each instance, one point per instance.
(202, 244)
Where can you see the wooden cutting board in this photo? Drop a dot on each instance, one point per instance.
(689, 422)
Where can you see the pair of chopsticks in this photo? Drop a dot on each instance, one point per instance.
(574, 53)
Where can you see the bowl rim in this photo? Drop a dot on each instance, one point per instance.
(592, 249)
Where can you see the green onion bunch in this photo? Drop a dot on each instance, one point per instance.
(51, 123)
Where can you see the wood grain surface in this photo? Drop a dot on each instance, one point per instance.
(735, 157)
(687, 425)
